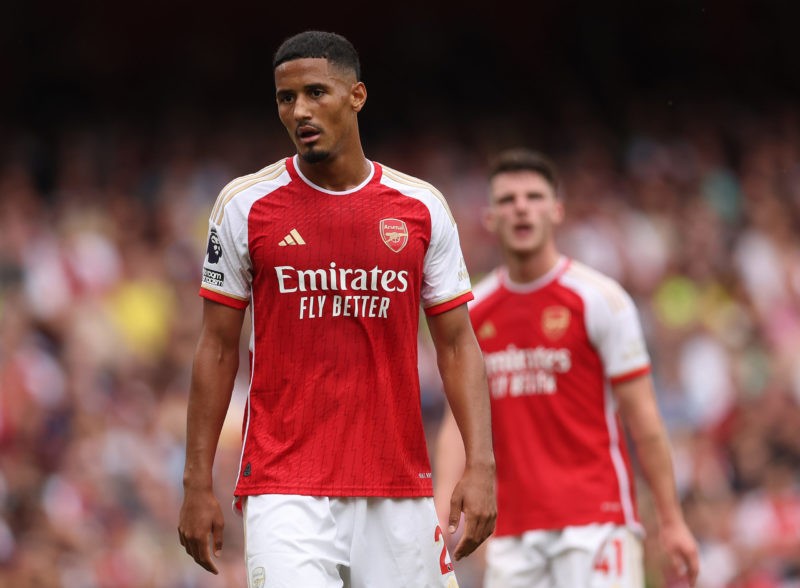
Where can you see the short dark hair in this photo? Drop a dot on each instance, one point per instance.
(523, 159)
(319, 44)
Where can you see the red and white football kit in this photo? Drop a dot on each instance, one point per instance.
(553, 348)
(334, 281)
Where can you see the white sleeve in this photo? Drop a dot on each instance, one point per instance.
(612, 322)
(227, 270)
(445, 275)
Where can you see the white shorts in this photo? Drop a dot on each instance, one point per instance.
(591, 556)
(296, 541)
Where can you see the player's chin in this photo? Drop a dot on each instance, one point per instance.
(314, 154)
(521, 246)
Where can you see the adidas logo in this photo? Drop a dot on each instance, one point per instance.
(293, 238)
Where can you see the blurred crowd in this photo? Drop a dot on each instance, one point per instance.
(696, 214)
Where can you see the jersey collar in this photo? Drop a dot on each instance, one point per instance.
(371, 174)
(524, 288)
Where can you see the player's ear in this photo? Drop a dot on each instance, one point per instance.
(358, 96)
(558, 211)
(489, 220)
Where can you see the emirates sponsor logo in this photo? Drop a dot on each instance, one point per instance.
(521, 372)
(555, 321)
(361, 289)
(394, 233)
(514, 359)
(333, 277)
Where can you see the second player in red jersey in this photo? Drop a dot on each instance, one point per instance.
(567, 366)
(550, 378)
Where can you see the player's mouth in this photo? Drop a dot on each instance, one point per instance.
(308, 134)
(522, 230)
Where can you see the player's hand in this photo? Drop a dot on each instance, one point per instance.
(680, 550)
(201, 517)
(474, 495)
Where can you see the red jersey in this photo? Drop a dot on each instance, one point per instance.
(552, 348)
(334, 281)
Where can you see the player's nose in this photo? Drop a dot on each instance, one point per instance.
(302, 110)
(520, 203)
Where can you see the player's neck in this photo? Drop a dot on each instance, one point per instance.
(527, 268)
(338, 173)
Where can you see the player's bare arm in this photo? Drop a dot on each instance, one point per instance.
(639, 411)
(448, 465)
(216, 362)
(464, 377)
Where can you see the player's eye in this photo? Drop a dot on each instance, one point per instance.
(505, 199)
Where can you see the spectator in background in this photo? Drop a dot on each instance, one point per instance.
(70, 373)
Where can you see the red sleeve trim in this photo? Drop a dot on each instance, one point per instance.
(449, 304)
(627, 377)
(222, 299)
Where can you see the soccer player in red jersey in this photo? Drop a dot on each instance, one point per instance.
(334, 254)
(565, 358)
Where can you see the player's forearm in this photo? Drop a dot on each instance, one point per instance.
(655, 459)
(448, 464)
(464, 379)
(639, 411)
(213, 373)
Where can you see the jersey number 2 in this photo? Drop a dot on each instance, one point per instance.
(445, 566)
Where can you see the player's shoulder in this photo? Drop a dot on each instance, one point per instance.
(594, 284)
(414, 187)
(262, 181)
(407, 181)
(486, 287)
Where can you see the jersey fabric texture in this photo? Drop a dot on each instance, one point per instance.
(334, 281)
(553, 347)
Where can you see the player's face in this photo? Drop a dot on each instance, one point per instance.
(523, 212)
(318, 103)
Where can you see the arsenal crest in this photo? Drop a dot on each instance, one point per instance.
(487, 330)
(394, 233)
(555, 320)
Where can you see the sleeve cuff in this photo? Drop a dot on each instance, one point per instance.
(237, 303)
(628, 376)
(449, 304)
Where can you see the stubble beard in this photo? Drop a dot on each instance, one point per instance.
(315, 156)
